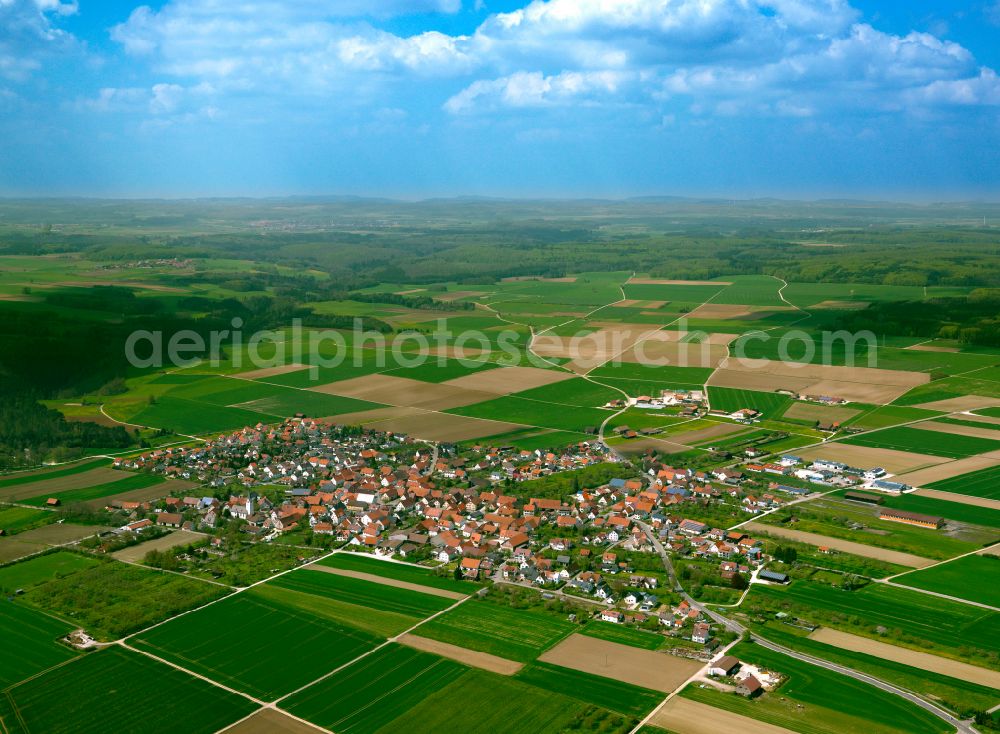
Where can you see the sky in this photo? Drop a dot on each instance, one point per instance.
(563, 98)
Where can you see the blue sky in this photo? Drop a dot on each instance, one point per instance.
(419, 98)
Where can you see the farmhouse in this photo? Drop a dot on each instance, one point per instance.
(725, 665)
(911, 518)
(749, 687)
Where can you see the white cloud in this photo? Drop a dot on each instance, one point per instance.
(28, 36)
(775, 57)
(533, 89)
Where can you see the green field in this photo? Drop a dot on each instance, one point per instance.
(477, 701)
(40, 569)
(680, 377)
(959, 695)
(751, 290)
(969, 424)
(909, 618)
(399, 571)
(19, 478)
(373, 691)
(30, 642)
(605, 692)
(382, 597)
(814, 700)
(575, 391)
(329, 607)
(889, 415)
(257, 644)
(623, 635)
(976, 578)
(918, 441)
(113, 599)
(535, 413)
(99, 491)
(122, 691)
(17, 519)
(983, 483)
(770, 404)
(520, 635)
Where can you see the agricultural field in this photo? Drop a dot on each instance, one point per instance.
(608, 693)
(624, 635)
(908, 618)
(126, 483)
(520, 635)
(213, 641)
(983, 483)
(112, 599)
(770, 404)
(816, 701)
(530, 412)
(42, 568)
(99, 692)
(975, 578)
(30, 643)
(934, 443)
(380, 597)
(859, 524)
(398, 571)
(373, 691)
(961, 687)
(531, 710)
(14, 520)
(44, 537)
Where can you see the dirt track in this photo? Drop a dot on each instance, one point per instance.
(684, 716)
(845, 546)
(271, 721)
(476, 659)
(921, 660)
(388, 582)
(656, 670)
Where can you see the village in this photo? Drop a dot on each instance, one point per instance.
(469, 511)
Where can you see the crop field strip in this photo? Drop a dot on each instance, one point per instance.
(927, 623)
(975, 578)
(213, 642)
(98, 692)
(517, 635)
(400, 571)
(373, 691)
(983, 483)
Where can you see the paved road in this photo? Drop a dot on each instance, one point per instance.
(963, 727)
